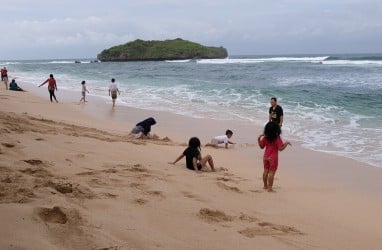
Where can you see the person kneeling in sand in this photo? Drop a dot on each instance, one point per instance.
(221, 139)
(13, 86)
(194, 159)
(143, 128)
(272, 143)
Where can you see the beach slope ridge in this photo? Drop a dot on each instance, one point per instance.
(176, 49)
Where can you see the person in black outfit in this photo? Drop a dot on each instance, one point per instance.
(276, 113)
(194, 159)
(143, 128)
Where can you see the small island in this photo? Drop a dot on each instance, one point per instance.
(176, 49)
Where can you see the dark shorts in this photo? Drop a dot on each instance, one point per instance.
(114, 95)
(199, 166)
(83, 93)
(4, 78)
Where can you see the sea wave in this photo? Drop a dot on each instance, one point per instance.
(262, 60)
(352, 62)
(178, 61)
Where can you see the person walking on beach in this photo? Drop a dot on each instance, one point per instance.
(272, 143)
(113, 90)
(84, 90)
(52, 86)
(4, 77)
(276, 113)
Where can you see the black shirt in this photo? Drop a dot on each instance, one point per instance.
(146, 125)
(190, 154)
(276, 113)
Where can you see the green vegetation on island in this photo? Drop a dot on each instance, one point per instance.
(176, 49)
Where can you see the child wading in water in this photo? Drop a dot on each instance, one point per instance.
(84, 90)
(272, 143)
(194, 159)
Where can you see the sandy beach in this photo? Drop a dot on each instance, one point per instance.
(71, 179)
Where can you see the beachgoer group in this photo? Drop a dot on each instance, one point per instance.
(269, 140)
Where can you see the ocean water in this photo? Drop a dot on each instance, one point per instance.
(332, 103)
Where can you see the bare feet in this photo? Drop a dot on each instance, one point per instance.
(270, 190)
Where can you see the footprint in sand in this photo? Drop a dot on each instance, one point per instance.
(140, 201)
(73, 190)
(210, 215)
(8, 145)
(229, 188)
(52, 215)
(269, 229)
(36, 172)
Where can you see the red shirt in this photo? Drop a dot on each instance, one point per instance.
(271, 148)
(51, 83)
(4, 72)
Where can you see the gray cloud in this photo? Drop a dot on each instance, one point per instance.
(72, 29)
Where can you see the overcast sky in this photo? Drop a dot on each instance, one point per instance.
(42, 29)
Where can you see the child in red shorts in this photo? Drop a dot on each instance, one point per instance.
(272, 143)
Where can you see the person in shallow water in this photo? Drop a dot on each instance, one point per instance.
(113, 90)
(276, 113)
(143, 128)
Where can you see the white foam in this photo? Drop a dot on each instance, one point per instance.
(262, 60)
(178, 61)
(352, 62)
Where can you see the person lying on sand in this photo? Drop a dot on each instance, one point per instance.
(221, 139)
(143, 128)
(194, 159)
(13, 86)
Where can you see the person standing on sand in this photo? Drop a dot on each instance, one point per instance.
(84, 90)
(276, 113)
(113, 90)
(4, 77)
(272, 143)
(52, 86)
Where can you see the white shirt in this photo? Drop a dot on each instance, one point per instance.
(221, 139)
(113, 87)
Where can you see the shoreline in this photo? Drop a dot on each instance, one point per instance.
(132, 115)
(72, 180)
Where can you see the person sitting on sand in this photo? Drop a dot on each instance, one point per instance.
(221, 139)
(272, 143)
(143, 128)
(194, 159)
(4, 77)
(113, 90)
(52, 86)
(84, 90)
(13, 86)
